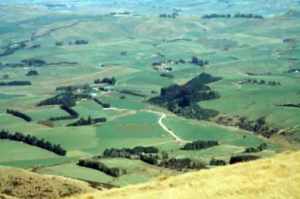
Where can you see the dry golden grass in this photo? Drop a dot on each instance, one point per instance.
(274, 178)
(17, 183)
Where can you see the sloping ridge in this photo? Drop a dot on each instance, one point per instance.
(274, 178)
(22, 184)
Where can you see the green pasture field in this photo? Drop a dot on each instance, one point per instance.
(125, 47)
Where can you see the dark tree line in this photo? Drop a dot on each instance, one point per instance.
(33, 141)
(65, 99)
(242, 158)
(182, 164)
(129, 153)
(103, 104)
(88, 121)
(72, 114)
(19, 114)
(290, 105)
(16, 83)
(151, 155)
(260, 82)
(228, 16)
(200, 144)
(34, 62)
(97, 165)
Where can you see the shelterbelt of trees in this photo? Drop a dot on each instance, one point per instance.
(32, 140)
(19, 114)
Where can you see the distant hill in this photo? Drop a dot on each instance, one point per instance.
(278, 177)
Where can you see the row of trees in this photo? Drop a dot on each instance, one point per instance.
(19, 114)
(238, 15)
(97, 165)
(242, 158)
(130, 153)
(103, 104)
(72, 114)
(260, 82)
(16, 83)
(88, 121)
(200, 144)
(34, 141)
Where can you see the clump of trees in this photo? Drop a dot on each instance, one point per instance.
(97, 165)
(106, 80)
(88, 121)
(200, 144)
(19, 114)
(16, 83)
(34, 141)
(217, 162)
(242, 158)
(257, 149)
(183, 99)
(197, 61)
(32, 73)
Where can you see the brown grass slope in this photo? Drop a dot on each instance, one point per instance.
(21, 184)
(274, 178)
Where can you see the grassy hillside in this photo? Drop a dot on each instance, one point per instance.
(277, 177)
(18, 183)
